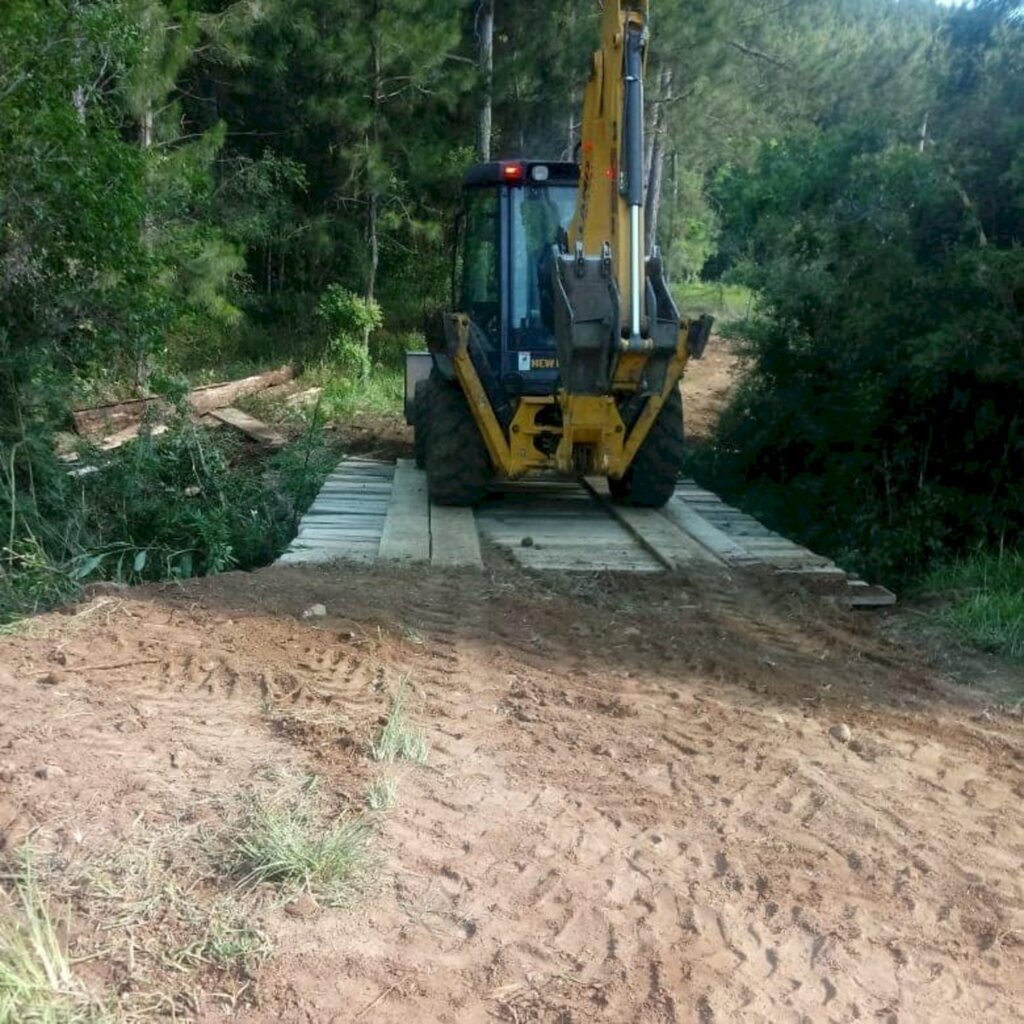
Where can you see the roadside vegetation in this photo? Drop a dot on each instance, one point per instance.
(295, 848)
(985, 595)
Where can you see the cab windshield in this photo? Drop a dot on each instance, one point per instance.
(538, 212)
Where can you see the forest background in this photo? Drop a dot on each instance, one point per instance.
(192, 189)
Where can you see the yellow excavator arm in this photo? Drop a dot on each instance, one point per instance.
(610, 207)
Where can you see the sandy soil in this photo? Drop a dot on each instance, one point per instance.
(634, 809)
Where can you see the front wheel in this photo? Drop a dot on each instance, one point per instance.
(651, 480)
(458, 466)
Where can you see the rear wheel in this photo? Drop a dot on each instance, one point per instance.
(458, 466)
(419, 424)
(651, 479)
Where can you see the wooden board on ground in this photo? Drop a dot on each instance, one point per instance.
(369, 511)
(250, 426)
(346, 521)
(406, 536)
(454, 541)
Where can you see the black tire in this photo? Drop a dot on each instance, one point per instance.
(458, 466)
(419, 424)
(652, 479)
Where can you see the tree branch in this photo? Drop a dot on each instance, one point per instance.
(759, 54)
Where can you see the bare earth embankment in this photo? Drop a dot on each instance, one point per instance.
(633, 808)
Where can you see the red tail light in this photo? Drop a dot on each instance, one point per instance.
(513, 172)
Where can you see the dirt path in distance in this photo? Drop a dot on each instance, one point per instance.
(634, 807)
(708, 385)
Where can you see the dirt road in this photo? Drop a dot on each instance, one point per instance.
(634, 807)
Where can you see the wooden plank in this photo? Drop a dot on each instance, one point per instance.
(249, 425)
(122, 437)
(406, 536)
(656, 534)
(718, 543)
(454, 541)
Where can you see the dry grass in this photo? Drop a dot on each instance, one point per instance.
(398, 740)
(37, 983)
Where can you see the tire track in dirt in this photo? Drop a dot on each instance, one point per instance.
(633, 809)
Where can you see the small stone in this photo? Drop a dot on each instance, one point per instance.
(842, 732)
(602, 751)
(7, 773)
(526, 542)
(177, 758)
(51, 679)
(303, 907)
(50, 771)
(193, 491)
(315, 611)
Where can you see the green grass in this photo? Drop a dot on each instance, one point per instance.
(727, 303)
(986, 595)
(296, 849)
(36, 980)
(398, 740)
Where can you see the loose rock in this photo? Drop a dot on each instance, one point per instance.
(303, 907)
(50, 771)
(842, 732)
(315, 611)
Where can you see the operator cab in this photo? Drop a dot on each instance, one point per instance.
(514, 213)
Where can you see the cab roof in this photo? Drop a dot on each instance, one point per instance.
(522, 172)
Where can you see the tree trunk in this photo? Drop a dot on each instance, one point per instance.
(656, 166)
(373, 199)
(485, 35)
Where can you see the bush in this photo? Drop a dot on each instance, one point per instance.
(881, 419)
(188, 503)
(349, 320)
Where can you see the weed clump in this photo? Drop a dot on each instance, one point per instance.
(292, 848)
(398, 740)
(382, 793)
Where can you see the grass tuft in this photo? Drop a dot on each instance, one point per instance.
(986, 594)
(382, 793)
(399, 741)
(36, 980)
(291, 848)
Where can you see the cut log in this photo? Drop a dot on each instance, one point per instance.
(217, 396)
(104, 419)
(249, 425)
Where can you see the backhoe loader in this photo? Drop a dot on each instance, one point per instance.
(566, 349)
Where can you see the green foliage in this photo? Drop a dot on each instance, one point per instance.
(398, 740)
(727, 303)
(186, 503)
(986, 595)
(349, 319)
(882, 419)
